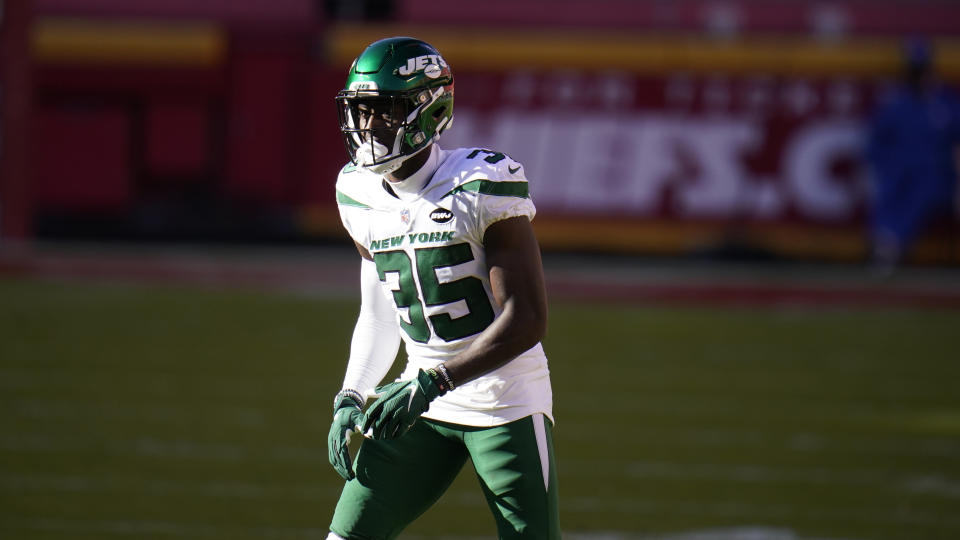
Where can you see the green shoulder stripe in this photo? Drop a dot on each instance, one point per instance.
(347, 201)
(489, 187)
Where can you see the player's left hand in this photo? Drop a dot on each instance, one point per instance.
(398, 406)
(347, 416)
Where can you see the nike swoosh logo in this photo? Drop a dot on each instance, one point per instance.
(413, 390)
(512, 170)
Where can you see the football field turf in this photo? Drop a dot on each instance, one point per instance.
(132, 411)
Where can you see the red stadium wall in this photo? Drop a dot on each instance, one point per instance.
(16, 105)
(214, 101)
(644, 127)
(744, 17)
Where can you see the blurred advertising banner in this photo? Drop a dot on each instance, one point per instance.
(674, 144)
(677, 147)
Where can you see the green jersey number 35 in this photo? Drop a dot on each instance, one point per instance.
(434, 293)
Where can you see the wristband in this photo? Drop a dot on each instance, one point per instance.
(448, 381)
(437, 380)
(348, 393)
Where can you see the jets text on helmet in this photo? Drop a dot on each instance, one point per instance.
(420, 63)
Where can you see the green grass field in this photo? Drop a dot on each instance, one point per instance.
(148, 412)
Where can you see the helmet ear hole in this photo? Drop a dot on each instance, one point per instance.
(439, 112)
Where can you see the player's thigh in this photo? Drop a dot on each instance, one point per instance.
(396, 481)
(516, 466)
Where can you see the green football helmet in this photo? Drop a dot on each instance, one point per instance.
(397, 100)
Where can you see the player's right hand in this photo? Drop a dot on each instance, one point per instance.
(398, 406)
(347, 417)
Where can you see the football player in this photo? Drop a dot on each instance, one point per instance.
(451, 267)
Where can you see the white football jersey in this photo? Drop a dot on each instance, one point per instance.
(428, 250)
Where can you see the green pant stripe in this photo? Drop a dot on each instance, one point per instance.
(511, 463)
(542, 449)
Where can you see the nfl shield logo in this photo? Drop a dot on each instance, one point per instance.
(405, 216)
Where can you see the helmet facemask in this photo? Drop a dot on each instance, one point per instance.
(381, 130)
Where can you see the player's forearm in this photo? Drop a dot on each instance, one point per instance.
(373, 349)
(518, 328)
(516, 280)
(376, 337)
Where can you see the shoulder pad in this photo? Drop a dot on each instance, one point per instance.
(486, 172)
(353, 187)
(488, 164)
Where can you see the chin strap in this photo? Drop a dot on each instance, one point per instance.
(392, 165)
(386, 168)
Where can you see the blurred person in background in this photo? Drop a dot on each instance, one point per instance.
(451, 266)
(913, 150)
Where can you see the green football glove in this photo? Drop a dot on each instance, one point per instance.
(399, 405)
(347, 416)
